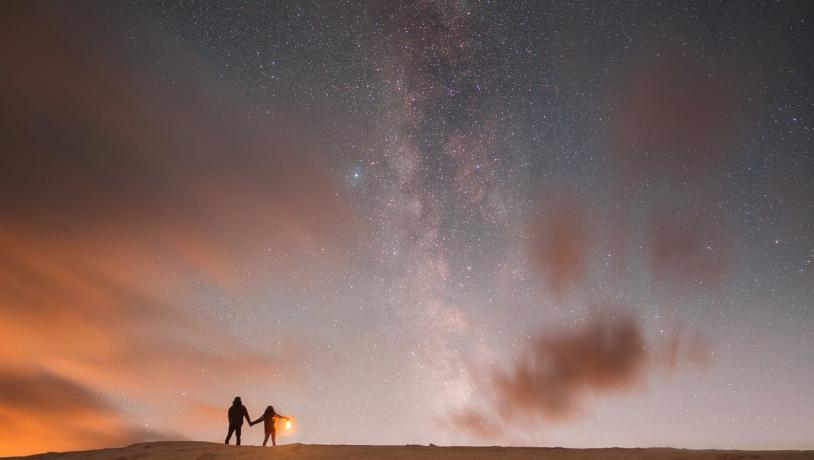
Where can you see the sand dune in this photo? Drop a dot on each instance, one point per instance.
(182, 450)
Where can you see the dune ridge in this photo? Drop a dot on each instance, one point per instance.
(196, 450)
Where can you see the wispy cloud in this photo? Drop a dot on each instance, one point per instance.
(559, 370)
(123, 197)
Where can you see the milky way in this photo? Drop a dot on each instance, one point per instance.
(426, 222)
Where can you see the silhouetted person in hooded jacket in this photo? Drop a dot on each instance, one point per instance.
(236, 415)
(268, 423)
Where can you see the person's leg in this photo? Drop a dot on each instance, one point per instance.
(265, 441)
(273, 437)
(229, 436)
(237, 434)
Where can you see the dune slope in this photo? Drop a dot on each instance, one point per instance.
(182, 450)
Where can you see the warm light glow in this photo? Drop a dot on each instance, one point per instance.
(285, 426)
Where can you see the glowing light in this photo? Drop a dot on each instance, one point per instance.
(285, 426)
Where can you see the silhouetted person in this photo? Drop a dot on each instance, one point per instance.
(236, 415)
(268, 418)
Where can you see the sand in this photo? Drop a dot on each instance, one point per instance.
(182, 450)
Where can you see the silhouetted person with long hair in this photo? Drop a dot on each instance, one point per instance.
(268, 418)
(236, 415)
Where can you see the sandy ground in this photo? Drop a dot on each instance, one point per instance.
(182, 450)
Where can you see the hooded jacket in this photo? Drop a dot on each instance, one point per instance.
(237, 413)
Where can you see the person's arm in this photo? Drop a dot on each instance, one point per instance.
(246, 414)
(257, 421)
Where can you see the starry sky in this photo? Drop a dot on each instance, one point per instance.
(581, 224)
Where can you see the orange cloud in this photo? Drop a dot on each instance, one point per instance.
(558, 370)
(41, 409)
(474, 422)
(562, 236)
(122, 197)
(672, 114)
(606, 354)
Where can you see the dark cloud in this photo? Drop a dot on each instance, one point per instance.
(557, 370)
(94, 138)
(550, 381)
(684, 348)
(561, 238)
(476, 423)
(672, 114)
(123, 193)
(41, 408)
(675, 121)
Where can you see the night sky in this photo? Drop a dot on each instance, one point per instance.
(450, 222)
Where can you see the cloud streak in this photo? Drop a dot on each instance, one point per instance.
(553, 377)
(42, 408)
(124, 197)
(562, 236)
